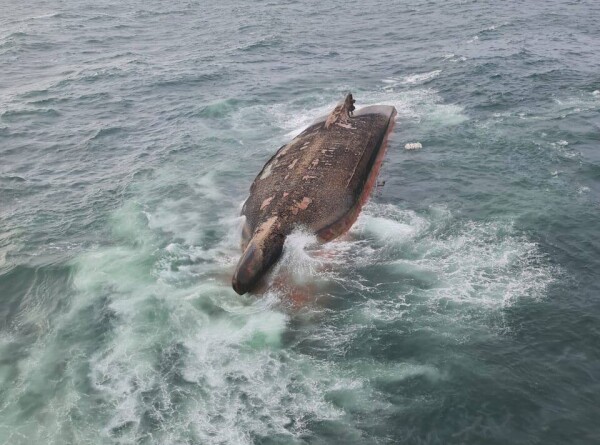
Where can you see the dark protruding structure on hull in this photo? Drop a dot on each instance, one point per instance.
(320, 181)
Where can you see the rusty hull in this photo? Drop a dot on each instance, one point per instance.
(318, 181)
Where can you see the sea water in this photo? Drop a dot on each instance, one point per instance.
(463, 306)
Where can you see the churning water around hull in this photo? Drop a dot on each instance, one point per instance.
(460, 308)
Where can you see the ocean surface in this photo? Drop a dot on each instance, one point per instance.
(463, 307)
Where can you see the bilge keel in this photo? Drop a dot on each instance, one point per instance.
(319, 181)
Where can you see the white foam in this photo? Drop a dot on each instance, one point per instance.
(447, 115)
(486, 265)
(566, 106)
(297, 261)
(421, 77)
(287, 116)
(420, 105)
(180, 348)
(482, 265)
(454, 58)
(388, 310)
(563, 148)
(230, 345)
(207, 186)
(390, 224)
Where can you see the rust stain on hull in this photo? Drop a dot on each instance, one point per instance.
(318, 181)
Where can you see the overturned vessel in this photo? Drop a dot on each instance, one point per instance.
(318, 181)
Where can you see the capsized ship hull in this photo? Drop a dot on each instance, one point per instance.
(320, 181)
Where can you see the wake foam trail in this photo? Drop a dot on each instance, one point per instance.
(181, 356)
(164, 350)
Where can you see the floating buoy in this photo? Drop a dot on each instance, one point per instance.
(413, 146)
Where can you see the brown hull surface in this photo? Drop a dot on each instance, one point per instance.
(319, 181)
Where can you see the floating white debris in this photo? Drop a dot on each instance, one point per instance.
(583, 190)
(413, 146)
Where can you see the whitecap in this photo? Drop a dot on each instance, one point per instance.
(421, 77)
